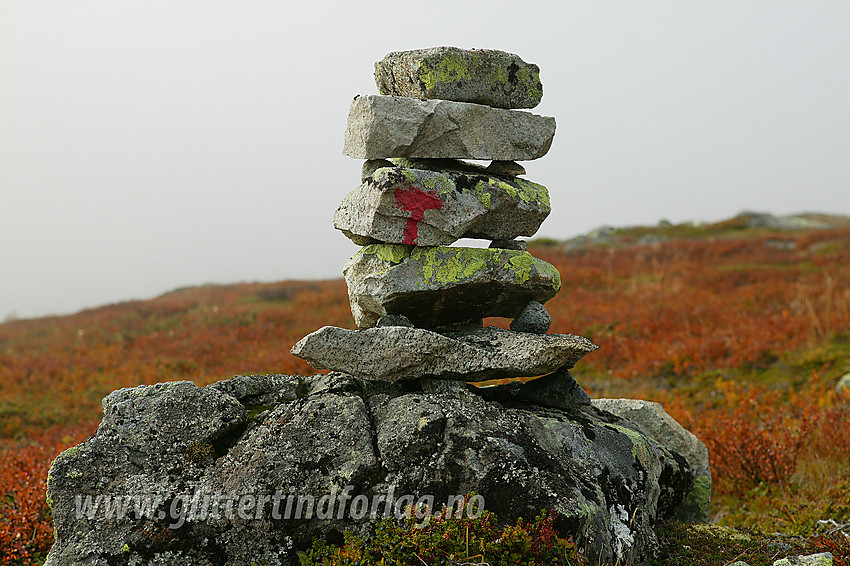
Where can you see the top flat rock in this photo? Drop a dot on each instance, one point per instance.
(381, 127)
(483, 76)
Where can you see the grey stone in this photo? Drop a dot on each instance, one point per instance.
(464, 326)
(822, 559)
(843, 385)
(652, 420)
(558, 390)
(505, 169)
(520, 245)
(334, 382)
(651, 240)
(394, 320)
(484, 76)
(532, 318)
(443, 386)
(395, 353)
(608, 483)
(401, 205)
(169, 416)
(256, 390)
(394, 126)
(372, 165)
(760, 219)
(780, 244)
(435, 286)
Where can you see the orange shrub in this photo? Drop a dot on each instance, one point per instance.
(755, 443)
(26, 530)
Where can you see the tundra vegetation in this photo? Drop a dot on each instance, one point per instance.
(740, 332)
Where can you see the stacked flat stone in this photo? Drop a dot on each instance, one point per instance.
(419, 302)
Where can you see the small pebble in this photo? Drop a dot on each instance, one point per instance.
(505, 169)
(520, 245)
(394, 320)
(532, 318)
(372, 165)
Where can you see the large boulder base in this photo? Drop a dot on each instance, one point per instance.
(608, 483)
(391, 353)
(653, 421)
(436, 286)
(380, 127)
(402, 205)
(483, 76)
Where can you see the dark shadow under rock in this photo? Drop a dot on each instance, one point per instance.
(558, 390)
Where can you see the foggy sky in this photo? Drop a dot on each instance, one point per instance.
(152, 144)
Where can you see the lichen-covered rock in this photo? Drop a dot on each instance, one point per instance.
(154, 442)
(652, 420)
(395, 126)
(821, 559)
(434, 286)
(484, 76)
(259, 390)
(401, 205)
(168, 417)
(301, 472)
(390, 353)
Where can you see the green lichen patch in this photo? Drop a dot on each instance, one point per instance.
(392, 253)
(532, 192)
(529, 77)
(69, 453)
(521, 265)
(451, 68)
(443, 268)
(255, 411)
(200, 452)
(447, 265)
(640, 445)
(484, 196)
(700, 493)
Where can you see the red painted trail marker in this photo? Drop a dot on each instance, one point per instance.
(416, 201)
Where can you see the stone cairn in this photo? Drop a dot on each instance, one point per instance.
(418, 301)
